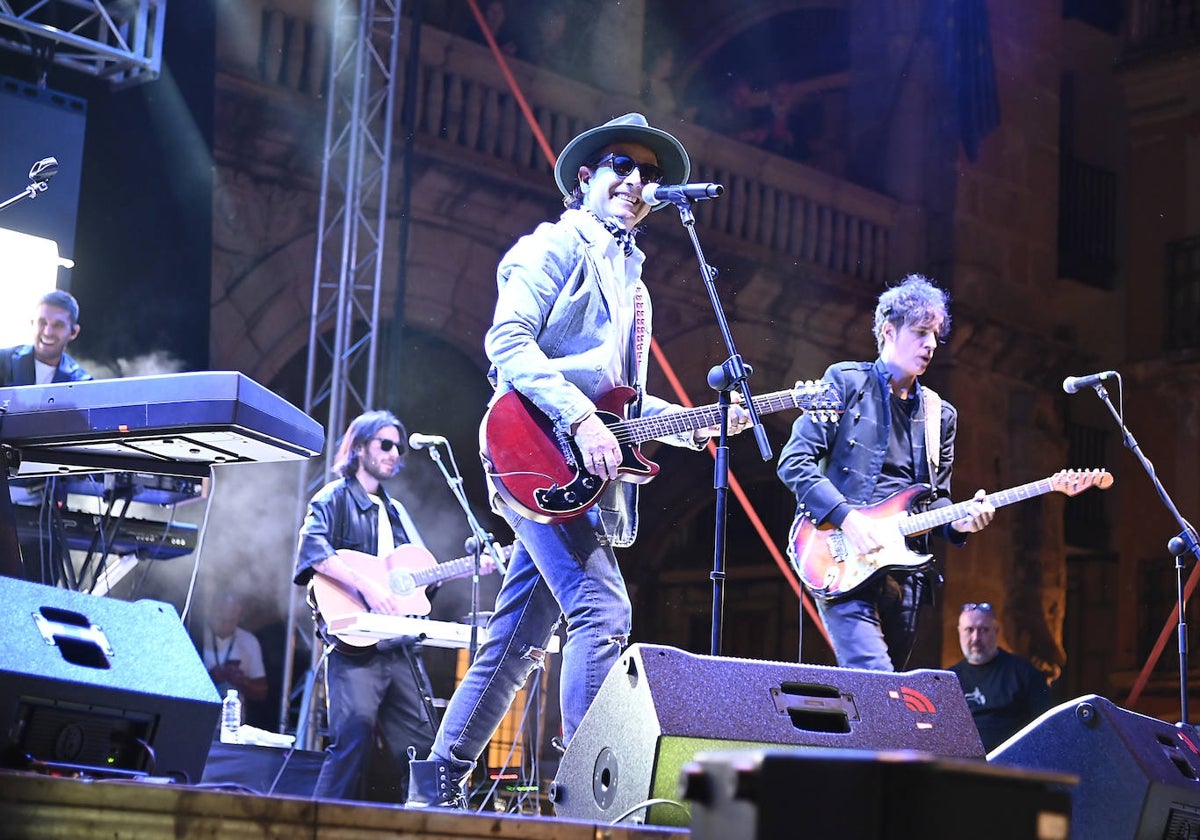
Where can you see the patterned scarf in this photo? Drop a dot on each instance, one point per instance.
(625, 238)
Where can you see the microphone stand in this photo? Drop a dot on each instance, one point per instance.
(1178, 545)
(732, 373)
(479, 541)
(39, 181)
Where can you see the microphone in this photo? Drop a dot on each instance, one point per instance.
(419, 441)
(654, 194)
(1076, 383)
(43, 170)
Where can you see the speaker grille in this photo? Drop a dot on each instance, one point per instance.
(67, 733)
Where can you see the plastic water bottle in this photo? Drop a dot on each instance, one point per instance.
(231, 718)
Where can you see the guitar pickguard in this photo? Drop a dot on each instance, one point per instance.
(583, 489)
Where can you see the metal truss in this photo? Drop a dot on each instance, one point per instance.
(343, 342)
(344, 328)
(118, 40)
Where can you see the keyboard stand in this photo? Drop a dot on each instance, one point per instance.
(10, 547)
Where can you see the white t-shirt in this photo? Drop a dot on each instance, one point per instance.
(242, 647)
(43, 373)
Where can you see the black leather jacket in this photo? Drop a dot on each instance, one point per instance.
(833, 466)
(342, 515)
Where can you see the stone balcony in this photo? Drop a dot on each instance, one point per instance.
(480, 179)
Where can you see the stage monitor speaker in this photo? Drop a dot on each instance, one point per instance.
(891, 795)
(100, 684)
(660, 706)
(1138, 776)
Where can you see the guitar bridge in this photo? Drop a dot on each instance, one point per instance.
(567, 447)
(837, 546)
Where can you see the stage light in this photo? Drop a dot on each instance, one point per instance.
(28, 271)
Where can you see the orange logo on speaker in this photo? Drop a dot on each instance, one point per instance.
(914, 700)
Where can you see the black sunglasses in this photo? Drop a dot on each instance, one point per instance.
(387, 444)
(983, 607)
(624, 164)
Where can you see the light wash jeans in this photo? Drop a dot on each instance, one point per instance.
(563, 570)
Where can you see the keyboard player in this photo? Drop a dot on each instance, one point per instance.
(55, 325)
(380, 684)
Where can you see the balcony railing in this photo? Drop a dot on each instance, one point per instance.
(466, 113)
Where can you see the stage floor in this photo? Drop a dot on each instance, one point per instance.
(49, 808)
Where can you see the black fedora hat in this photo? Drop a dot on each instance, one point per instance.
(630, 128)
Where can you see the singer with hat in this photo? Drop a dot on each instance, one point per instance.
(572, 321)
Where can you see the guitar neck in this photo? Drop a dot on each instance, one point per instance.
(919, 523)
(444, 571)
(641, 429)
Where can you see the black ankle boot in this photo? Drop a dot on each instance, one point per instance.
(437, 783)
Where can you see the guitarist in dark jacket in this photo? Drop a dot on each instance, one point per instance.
(375, 685)
(882, 445)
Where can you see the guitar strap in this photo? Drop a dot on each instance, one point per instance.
(933, 430)
(637, 343)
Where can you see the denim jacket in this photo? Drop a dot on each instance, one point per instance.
(828, 465)
(549, 338)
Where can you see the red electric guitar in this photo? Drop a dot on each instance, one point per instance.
(829, 566)
(538, 469)
(407, 571)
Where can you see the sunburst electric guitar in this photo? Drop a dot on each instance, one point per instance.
(406, 571)
(830, 567)
(538, 470)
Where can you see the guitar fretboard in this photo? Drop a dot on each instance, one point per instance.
(451, 569)
(919, 523)
(641, 429)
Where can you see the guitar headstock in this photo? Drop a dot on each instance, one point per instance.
(1074, 482)
(818, 399)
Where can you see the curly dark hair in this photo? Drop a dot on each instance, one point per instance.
(914, 302)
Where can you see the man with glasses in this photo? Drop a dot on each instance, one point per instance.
(368, 685)
(894, 433)
(572, 322)
(1003, 690)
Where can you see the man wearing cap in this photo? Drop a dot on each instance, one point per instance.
(572, 321)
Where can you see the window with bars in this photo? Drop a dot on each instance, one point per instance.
(1087, 205)
(1085, 520)
(1183, 294)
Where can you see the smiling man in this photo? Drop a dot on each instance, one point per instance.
(572, 322)
(894, 433)
(56, 324)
